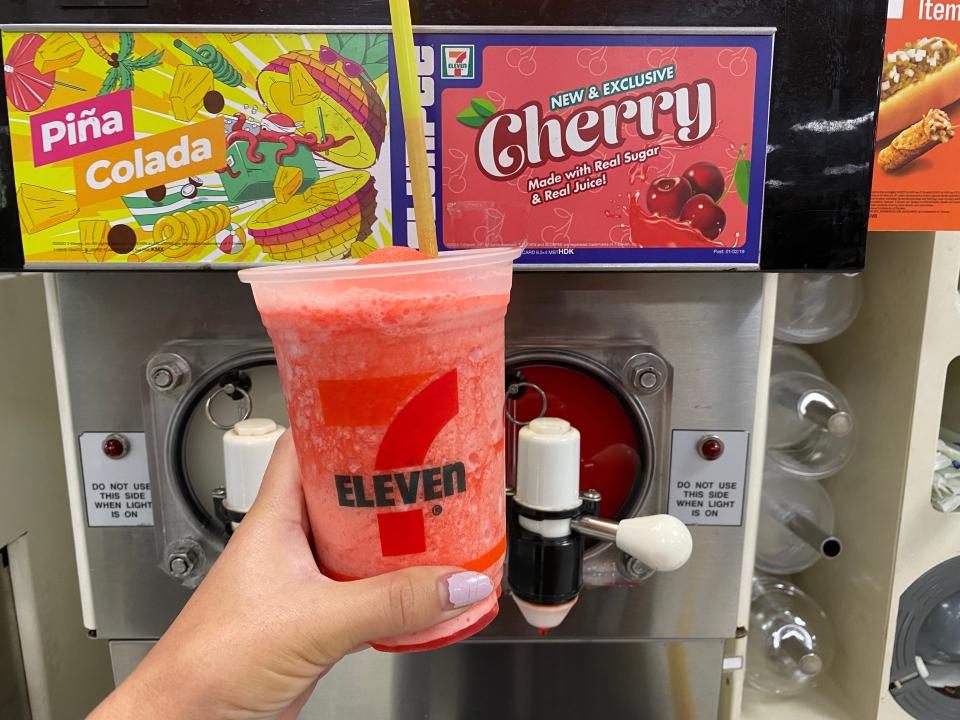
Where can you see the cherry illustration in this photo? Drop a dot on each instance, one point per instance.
(702, 213)
(666, 196)
(705, 177)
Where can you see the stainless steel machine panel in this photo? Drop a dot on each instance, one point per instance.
(707, 327)
(657, 680)
(651, 648)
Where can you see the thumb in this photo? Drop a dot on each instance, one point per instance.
(405, 601)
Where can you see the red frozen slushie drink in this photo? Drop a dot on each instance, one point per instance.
(393, 377)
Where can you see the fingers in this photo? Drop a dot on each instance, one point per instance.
(402, 602)
(280, 495)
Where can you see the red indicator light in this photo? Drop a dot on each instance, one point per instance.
(710, 447)
(115, 446)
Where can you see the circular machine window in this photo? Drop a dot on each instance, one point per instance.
(925, 672)
(615, 440)
(199, 444)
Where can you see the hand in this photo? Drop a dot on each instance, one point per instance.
(265, 624)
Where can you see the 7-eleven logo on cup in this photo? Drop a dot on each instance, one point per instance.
(456, 62)
(415, 409)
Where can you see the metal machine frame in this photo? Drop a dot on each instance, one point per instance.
(673, 625)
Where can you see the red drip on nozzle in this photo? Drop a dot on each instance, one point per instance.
(543, 631)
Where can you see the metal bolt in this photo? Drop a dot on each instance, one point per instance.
(180, 564)
(590, 495)
(167, 371)
(646, 379)
(646, 373)
(162, 378)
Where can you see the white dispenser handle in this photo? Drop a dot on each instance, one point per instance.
(661, 542)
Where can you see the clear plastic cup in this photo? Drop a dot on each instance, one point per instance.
(795, 528)
(791, 643)
(789, 358)
(393, 379)
(811, 430)
(815, 307)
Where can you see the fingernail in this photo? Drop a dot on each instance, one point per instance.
(466, 588)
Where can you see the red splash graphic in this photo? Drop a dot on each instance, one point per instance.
(652, 231)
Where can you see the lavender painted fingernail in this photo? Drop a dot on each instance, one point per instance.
(466, 588)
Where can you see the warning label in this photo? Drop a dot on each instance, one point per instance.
(708, 492)
(117, 489)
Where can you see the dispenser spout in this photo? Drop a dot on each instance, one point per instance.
(549, 519)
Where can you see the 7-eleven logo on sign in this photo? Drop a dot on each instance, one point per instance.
(456, 62)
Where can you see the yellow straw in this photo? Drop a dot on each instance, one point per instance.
(413, 126)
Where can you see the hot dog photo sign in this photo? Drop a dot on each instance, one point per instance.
(915, 184)
(225, 149)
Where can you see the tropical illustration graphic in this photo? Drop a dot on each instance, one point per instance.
(199, 147)
(122, 63)
(30, 70)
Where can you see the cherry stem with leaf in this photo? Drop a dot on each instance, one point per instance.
(732, 181)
